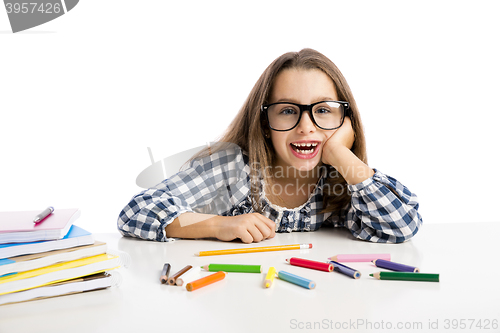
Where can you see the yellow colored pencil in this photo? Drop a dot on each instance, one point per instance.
(270, 276)
(255, 249)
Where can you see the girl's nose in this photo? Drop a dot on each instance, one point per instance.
(306, 124)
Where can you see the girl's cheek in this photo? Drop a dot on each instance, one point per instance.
(328, 134)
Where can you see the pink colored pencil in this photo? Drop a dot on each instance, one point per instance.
(360, 257)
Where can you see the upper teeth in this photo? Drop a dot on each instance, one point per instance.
(305, 144)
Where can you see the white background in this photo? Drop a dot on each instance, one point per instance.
(83, 96)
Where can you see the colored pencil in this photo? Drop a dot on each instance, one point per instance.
(173, 278)
(205, 281)
(338, 267)
(165, 273)
(233, 268)
(406, 276)
(270, 277)
(191, 275)
(320, 266)
(295, 279)
(360, 257)
(255, 249)
(394, 266)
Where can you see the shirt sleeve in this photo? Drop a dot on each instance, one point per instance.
(206, 180)
(382, 210)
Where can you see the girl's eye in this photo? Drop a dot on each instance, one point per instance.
(287, 111)
(323, 110)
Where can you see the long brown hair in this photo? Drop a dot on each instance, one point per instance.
(248, 128)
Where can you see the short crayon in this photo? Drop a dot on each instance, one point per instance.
(295, 279)
(394, 266)
(233, 268)
(406, 276)
(173, 278)
(270, 277)
(165, 273)
(360, 257)
(205, 281)
(191, 275)
(320, 266)
(338, 267)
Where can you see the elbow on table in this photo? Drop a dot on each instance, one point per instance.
(386, 230)
(134, 227)
(402, 230)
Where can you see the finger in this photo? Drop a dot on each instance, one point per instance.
(256, 234)
(264, 229)
(246, 237)
(349, 129)
(272, 228)
(266, 226)
(269, 223)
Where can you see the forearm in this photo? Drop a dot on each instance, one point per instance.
(248, 228)
(191, 225)
(347, 164)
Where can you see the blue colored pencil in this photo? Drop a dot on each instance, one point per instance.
(394, 266)
(337, 267)
(300, 281)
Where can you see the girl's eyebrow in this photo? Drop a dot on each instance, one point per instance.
(292, 100)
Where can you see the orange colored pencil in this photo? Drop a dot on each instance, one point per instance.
(200, 283)
(255, 249)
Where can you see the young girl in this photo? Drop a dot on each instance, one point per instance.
(293, 159)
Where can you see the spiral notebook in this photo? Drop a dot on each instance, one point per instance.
(58, 273)
(32, 261)
(87, 283)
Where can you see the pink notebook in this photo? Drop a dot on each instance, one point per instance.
(18, 227)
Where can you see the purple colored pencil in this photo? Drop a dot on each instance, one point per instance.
(337, 267)
(394, 266)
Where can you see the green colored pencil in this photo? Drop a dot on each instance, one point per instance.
(406, 276)
(233, 268)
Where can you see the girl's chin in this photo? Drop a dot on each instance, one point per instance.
(301, 165)
(306, 166)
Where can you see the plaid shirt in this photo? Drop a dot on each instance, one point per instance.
(381, 208)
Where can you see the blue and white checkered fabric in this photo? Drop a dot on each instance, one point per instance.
(381, 208)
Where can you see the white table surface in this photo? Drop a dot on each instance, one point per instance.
(465, 256)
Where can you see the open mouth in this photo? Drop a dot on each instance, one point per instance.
(305, 150)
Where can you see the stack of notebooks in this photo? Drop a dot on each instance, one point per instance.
(50, 258)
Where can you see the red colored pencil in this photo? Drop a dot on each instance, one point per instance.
(320, 266)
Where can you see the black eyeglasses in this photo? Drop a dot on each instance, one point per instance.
(285, 116)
